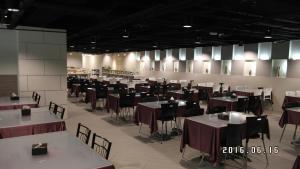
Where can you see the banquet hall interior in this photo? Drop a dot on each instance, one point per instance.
(152, 84)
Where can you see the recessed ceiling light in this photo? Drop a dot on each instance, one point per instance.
(72, 46)
(93, 47)
(213, 33)
(187, 26)
(93, 42)
(13, 10)
(198, 42)
(125, 36)
(154, 46)
(268, 37)
(107, 50)
(5, 16)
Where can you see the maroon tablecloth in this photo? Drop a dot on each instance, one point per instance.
(244, 93)
(288, 99)
(32, 129)
(9, 107)
(149, 115)
(290, 116)
(202, 137)
(297, 163)
(142, 88)
(230, 105)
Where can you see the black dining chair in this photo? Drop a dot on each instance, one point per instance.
(233, 139)
(51, 106)
(286, 106)
(168, 113)
(101, 145)
(217, 109)
(202, 94)
(101, 93)
(83, 133)
(217, 94)
(59, 111)
(257, 127)
(163, 98)
(242, 104)
(254, 104)
(126, 102)
(188, 95)
(33, 94)
(192, 108)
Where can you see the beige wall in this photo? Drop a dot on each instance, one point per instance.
(8, 52)
(42, 65)
(74, 59)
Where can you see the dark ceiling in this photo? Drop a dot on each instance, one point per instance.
(157, 24)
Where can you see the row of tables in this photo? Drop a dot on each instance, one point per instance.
(18, 133)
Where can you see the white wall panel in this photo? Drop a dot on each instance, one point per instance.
(31, 67)
(55, 38)
(31, 36)
(55, 67)
(23, 83)
(43, 83)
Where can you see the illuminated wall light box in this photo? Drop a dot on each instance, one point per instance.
(294, 50)
(216, 53)
(146, 57)
(197, 53)
(137, 56)
(157, 55)
(238, 52)
(169, 57)
(182, 54)
(264, 51)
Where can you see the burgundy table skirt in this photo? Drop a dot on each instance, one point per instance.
(149, 116)
(179, 96)
(113, 103)
(297, 163)
(19, 106)
(230, 106)
(242, 93)
(32, 129)
(289, 117)
(202, 137)
(142, 88)
(288, 99)
(91, 97)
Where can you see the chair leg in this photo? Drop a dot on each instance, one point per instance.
(294, 136)
(162, 130)
(246, 155)
(266, 154)
(140, 127)
(282, 133)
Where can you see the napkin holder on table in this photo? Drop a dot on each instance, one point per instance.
(233, 96)
(26, 111)
(39, 149)
(14, 97)
(223, 116)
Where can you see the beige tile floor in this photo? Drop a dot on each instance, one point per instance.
(131, 150)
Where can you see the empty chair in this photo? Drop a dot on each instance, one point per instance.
(217, 94)
(255, 126)
(59, 111)
(168, 113)
(33, 94)
(101, 145)
(255, 105)
(126, 102)
(37, 98)
(193, 109)
(51, 106)
(242, 104)
(203, 94)
(233, 139)
(83, 133)
(188, 95)
(267, 96)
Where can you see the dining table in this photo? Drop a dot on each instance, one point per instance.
(6, 103)
(63, 151)
(204, 133)
(40, 120)
(148, 113)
